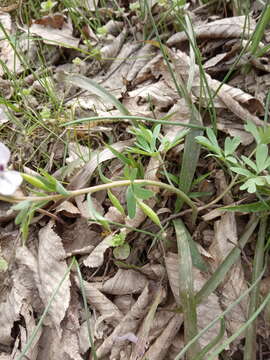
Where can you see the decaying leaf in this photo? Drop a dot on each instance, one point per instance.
(52, 268)
(241, 104)
(129, 323)
(61, 36)
(125, 282)
(207, 311)
(234, 284)
(8, 55)
(107, 309)
(159, 349)
(234, 27)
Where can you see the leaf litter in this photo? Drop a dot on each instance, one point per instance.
(59, 67)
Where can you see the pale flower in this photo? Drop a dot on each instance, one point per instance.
(9, 180)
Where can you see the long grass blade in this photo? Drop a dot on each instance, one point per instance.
(250, 344)
(186, 289)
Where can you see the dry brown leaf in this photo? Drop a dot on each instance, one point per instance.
(50, 346)
(207, 310)
(53, 36)
(52, 268)
(180, 113)
(143, 335)
(159, 349)
(129, 324)
(10, 310)
(81, 179)
(4, 356)
(151, 70)
(114, 215)
(26, 332)
(225, 238)
(237, 101)
(108, 310)
(125, 282)
(177, 345)
(144, 54)
(110, 51)
(234, 284)
(118, 71)
(68, 209)
(114, 27)
(153, 271)
(8, 55)
(96, 258)
(234, 130)
(232, 289)
(71, 328)
(158, 93)
(234, 27)
(80, 236)
(124, 302)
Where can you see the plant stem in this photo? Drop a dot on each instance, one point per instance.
(93, 189)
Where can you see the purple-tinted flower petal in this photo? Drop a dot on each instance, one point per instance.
(9, 182)
(4, 155)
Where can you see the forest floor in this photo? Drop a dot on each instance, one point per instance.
(134, 180)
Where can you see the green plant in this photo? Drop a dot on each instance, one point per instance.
(47, 6)
(254, 173)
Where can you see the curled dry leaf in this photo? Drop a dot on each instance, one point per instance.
(129, 324)
(51, 346)
(52, 268)
(56, 36)
(234, 27)
(151, 70)
(80, 236)
(225, 238)
(113, 81)
(110, 51)
(27, 314)
(71, 328)
(114, 215)
(114, 27)
(236, 100)
(101, 303)
(234, 284)
(125, 282)
(234, 130)
(81, 179)
(143, 55)
(159, 349)
(68, 209)
(160, 94)
(124, 302)
(96, 258)
(10, 309)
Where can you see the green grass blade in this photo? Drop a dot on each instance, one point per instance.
(90, 85)
(91, 341)
(216, 340)
(132, 117)
(190, 158)
(229, 261)
(186, 288)
(260, 29)
(250, 343)
(240, 330)
(212, 323)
